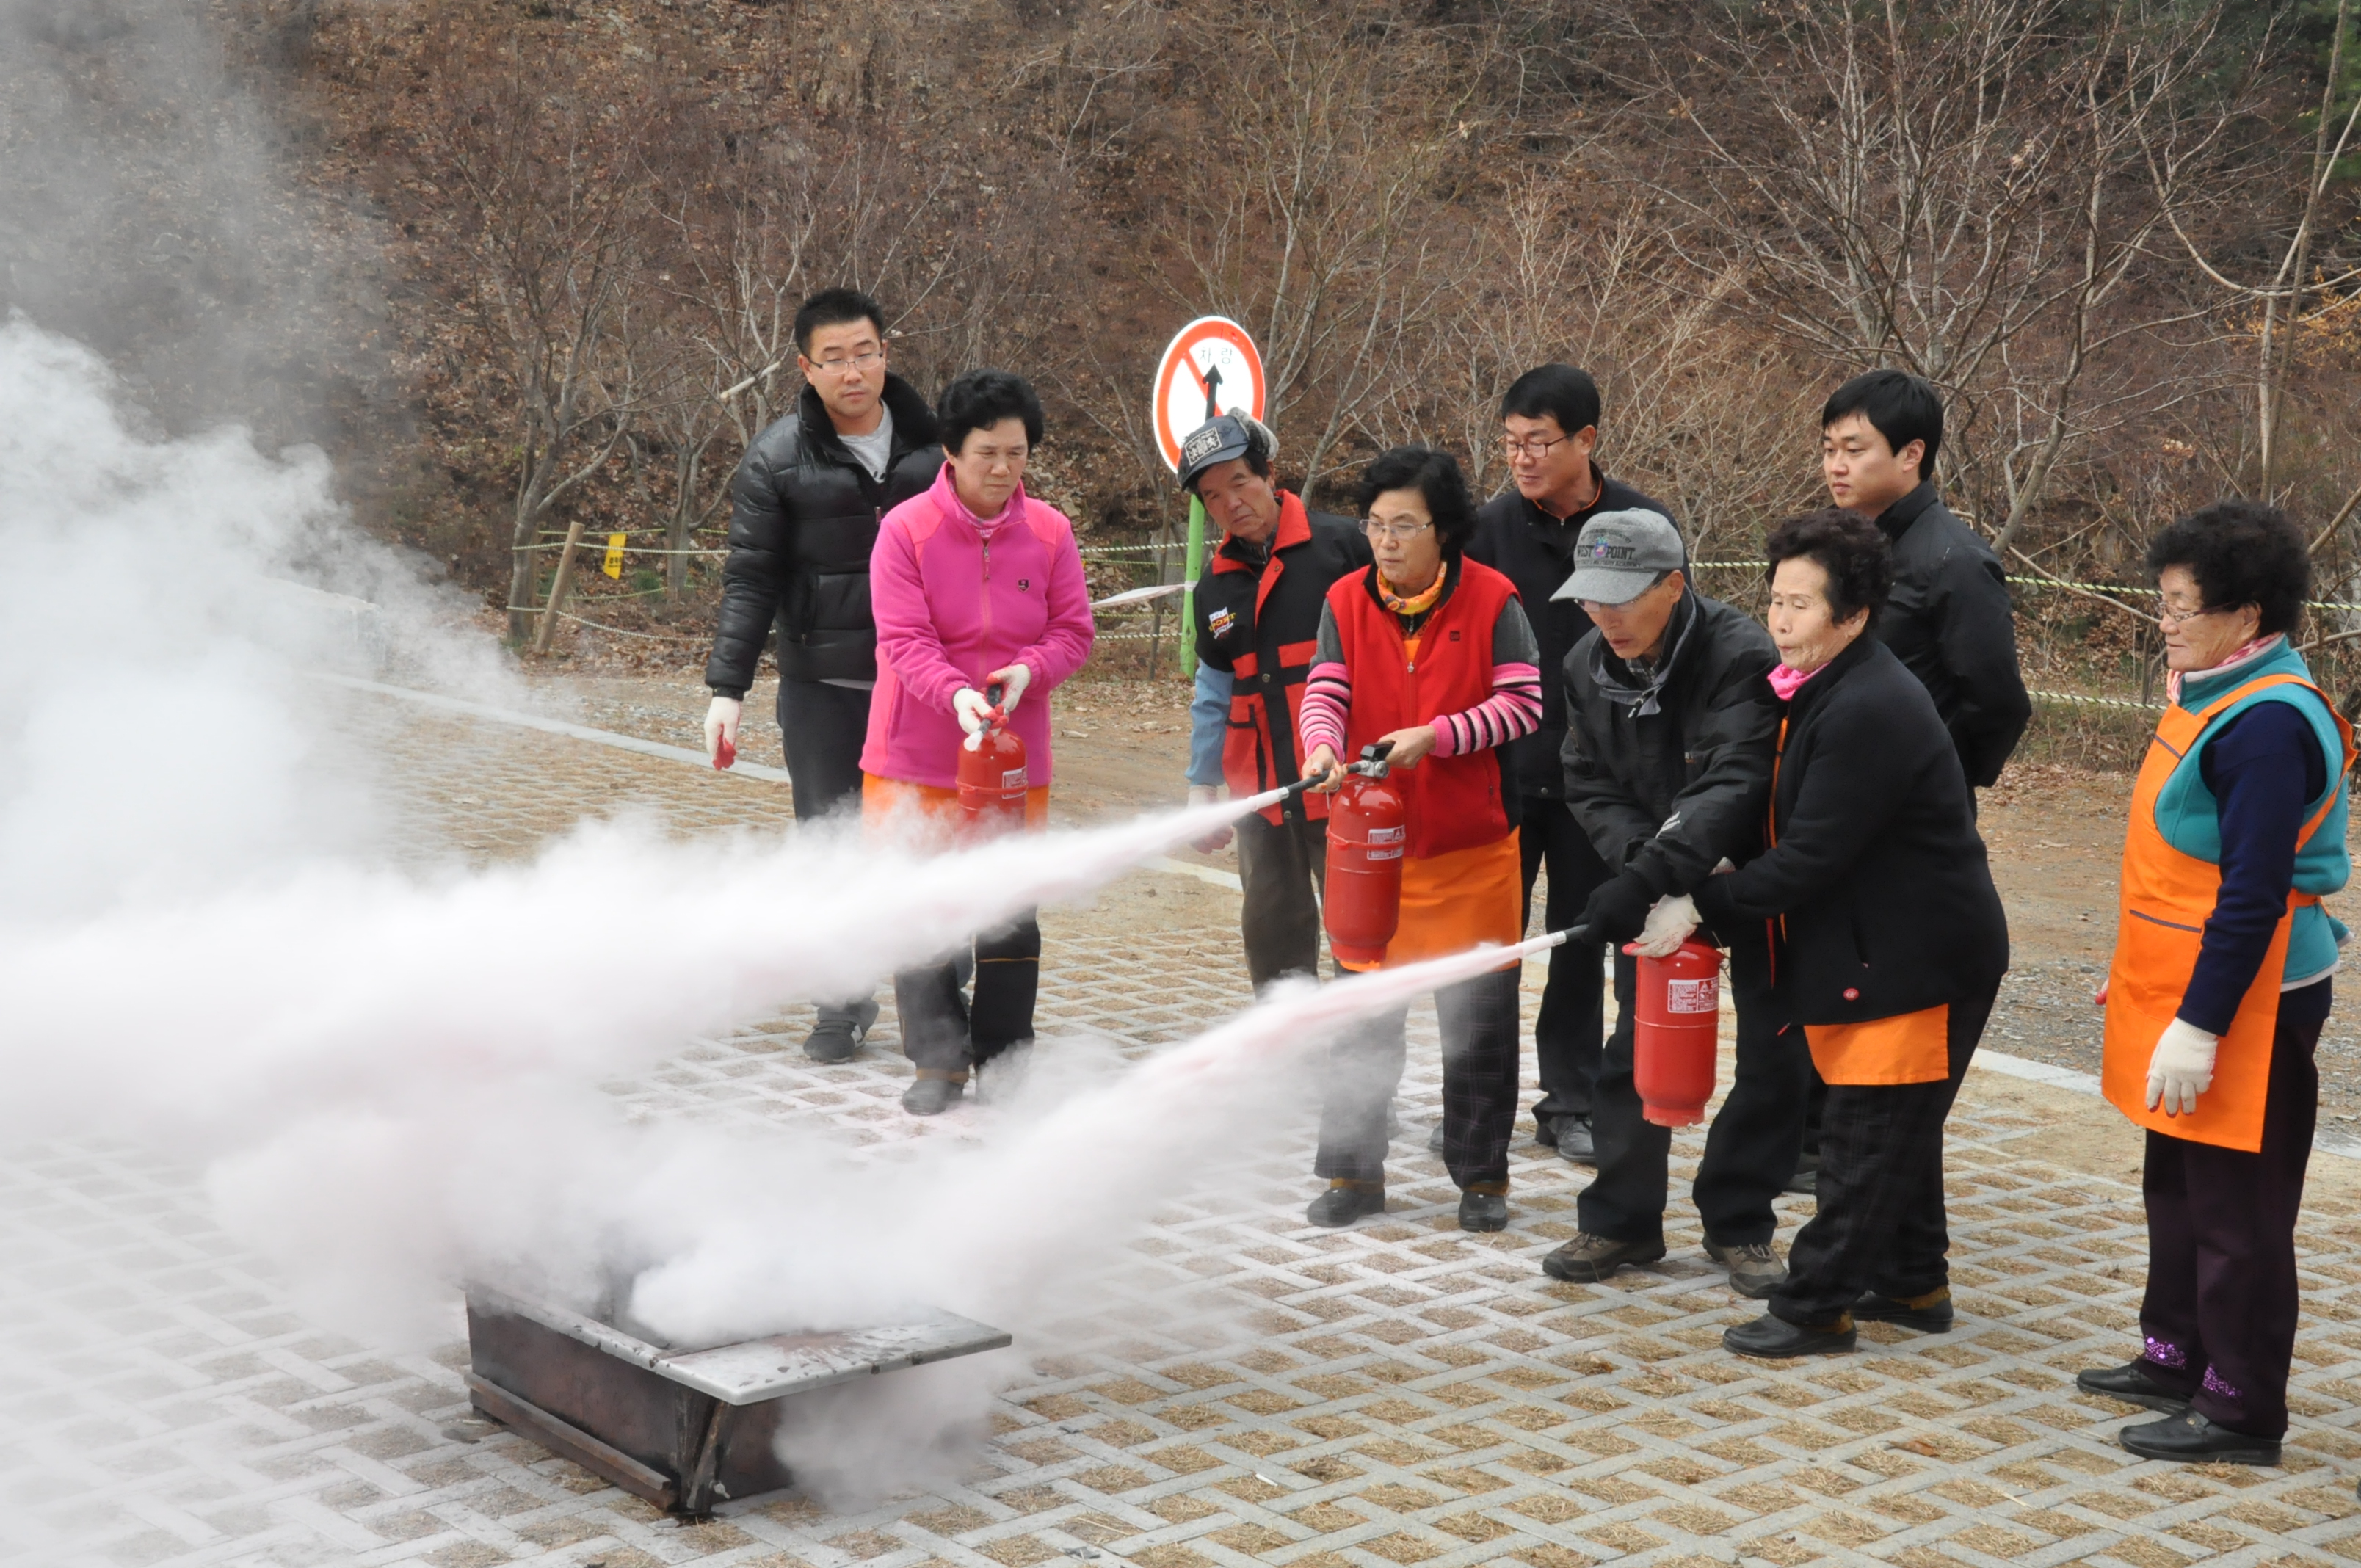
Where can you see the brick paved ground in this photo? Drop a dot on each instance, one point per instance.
(1396, 1394)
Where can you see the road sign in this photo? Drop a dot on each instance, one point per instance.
(1209, 367)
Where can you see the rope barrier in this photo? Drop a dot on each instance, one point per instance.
(2032, 582)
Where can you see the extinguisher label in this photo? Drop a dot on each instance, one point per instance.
(1375, 853)
(1014, 778)
(1693, 995)
(1386, 835)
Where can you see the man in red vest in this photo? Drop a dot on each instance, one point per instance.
(1257, 613)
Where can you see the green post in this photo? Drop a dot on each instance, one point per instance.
(1196, 563)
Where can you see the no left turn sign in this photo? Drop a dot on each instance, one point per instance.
(1210, 368)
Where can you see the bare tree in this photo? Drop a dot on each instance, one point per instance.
(1958, 190)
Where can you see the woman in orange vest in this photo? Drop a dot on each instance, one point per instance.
(1888, 940)
(1430, 654)
(2221, 983)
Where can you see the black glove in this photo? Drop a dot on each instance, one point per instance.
(1617, 909)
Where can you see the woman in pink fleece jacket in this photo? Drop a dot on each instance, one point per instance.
(972, 585)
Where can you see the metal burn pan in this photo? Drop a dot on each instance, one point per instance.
(683, 1427)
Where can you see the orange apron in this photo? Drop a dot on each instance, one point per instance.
(1909, 1047)
(882, 799)
(2166, 898)
(1453, 902)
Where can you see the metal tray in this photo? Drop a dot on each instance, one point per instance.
(683, 1427)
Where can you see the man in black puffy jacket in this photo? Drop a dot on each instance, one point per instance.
(804, 513)
(1549, 420)
(1671, 730)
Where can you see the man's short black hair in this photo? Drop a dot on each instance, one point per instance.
(1849, 548)
(2241, 553)
(836, 307)
(981, 398)
(1559, 391)
(1435, 476)
(1899, 406)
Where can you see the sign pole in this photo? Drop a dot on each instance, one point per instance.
(1195, 559)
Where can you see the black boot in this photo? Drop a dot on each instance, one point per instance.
(932, 1096)
(1930, 1313)
(2190, 1438)
(2133, 1386)
(1776, 1339)
(1483, 1211)
(840, 1032)
(1346, 1202)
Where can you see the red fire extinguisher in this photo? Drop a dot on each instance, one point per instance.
(1368, 828)
(1677, 1033)
(992, 777)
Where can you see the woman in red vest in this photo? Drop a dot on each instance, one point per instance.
(1430, 654)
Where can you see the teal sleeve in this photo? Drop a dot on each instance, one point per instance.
(1209, 714)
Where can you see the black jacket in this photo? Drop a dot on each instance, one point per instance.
(1885, 897)
(802, 517)
(1670, 793)
(1948, 621)
(1258, 616)
(1535, 550)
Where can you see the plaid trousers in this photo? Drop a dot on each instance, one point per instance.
(1881, 1224)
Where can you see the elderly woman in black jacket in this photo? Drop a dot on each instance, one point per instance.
(1889, 939)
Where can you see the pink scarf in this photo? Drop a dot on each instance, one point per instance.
(1786, 680)
(2255, 649)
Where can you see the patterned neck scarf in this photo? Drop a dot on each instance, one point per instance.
(2248, 654)
(1413, 603)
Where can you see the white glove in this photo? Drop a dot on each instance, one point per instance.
(1206, 794)
(1012, 681)
(2181, 1068)
(1669, 923)
(721, 724)
(975, 714)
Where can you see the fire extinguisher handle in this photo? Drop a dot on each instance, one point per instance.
(994, 692)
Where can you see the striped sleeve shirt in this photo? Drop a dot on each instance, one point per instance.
(1514, 709)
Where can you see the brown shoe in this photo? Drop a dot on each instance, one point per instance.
(1755, 1270)
(1587, 1259)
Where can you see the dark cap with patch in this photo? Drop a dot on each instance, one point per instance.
(1217, 440)
(1621, 555)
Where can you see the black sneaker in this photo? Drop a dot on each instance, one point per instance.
(1340, 1206)
(2133, 1386)
(1588, 1259)
(2192, 1440)
(833, 1040)
(1483, 1211)
(1930, 1313)
(1776, 1339)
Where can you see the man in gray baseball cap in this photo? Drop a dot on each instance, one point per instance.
(1671, 728)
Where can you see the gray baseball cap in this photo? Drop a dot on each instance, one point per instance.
(1620, 554)
(1218, 440)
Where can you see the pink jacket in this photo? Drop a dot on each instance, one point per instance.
(951, 609)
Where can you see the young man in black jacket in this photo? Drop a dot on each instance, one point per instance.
(804, 512)
(1948, 619)
(1671, 730)
(1550, 428)
(1258, 618)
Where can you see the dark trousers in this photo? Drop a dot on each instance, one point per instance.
(1750, 1150)
(1879, 1223)
(1479, 1019)
(1284, 867)
(944, 1030)
(2220, 1313)
(823, 727)
(1573, 1022)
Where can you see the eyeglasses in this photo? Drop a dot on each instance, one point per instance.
(2173, 615)
(1535, 448)
(869, 361)
(1397, 531)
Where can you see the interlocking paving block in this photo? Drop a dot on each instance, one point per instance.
(1247, 1389)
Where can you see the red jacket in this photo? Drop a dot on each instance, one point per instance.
(1454, 802)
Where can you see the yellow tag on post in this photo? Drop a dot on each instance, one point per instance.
(614, 567)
